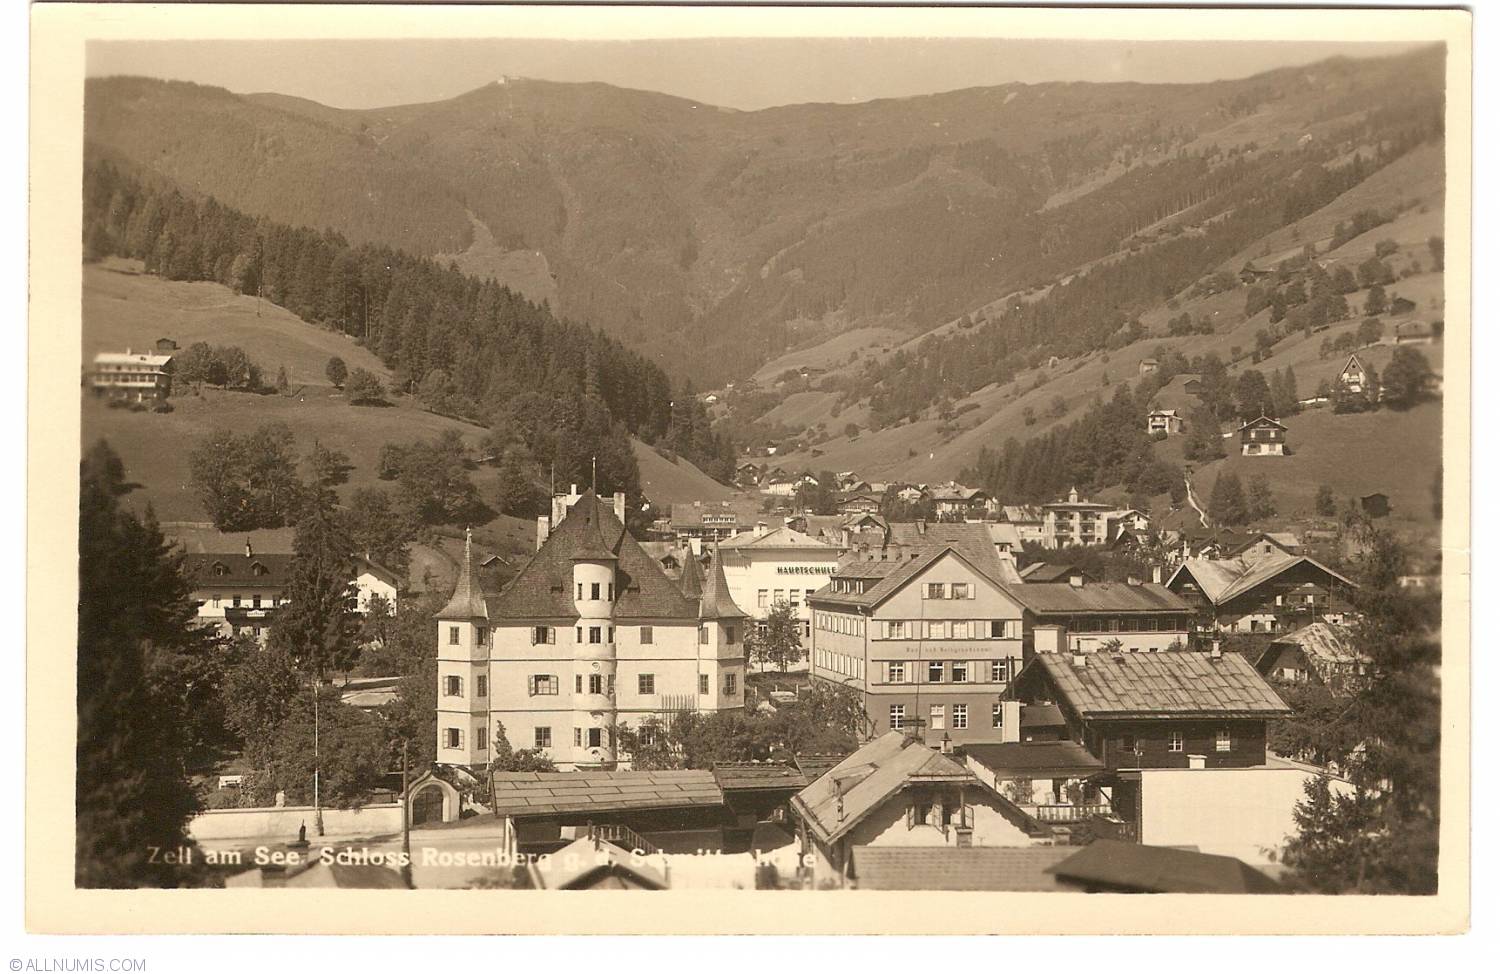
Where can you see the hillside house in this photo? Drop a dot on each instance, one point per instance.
(1265, 593)
(135, 376)
(1076, 616)
(1028, 519)
(1074, 521)
(371, 579)
(1316, 653)
(238, 594)
(859, 504)
(1148, 366)
(1165, 421)
(896, 792)
(748, 474)
(1262, 437)
(1417, 333)
(703, 521)
(955, 502)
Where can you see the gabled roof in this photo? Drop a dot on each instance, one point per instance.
(893, 575)
(716, 602)
(1159, 685)
(131, 358)
(1017, 870)
(227, 570)
(782, 537)
(1063, 597)
(1222, 580)
(1041, 572)
(973, 541)
(1157, 869)
(543, 588)
(1261, 421)
(590, 863)
(863, 781)
(1321, 642)
(1355, 363)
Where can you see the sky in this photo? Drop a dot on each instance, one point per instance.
(743, 73)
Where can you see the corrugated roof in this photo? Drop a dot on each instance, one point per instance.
(533, 793)
(1063, 597)
(1156, 869)
(1020, 870)
(862, 782)
(1035, 756)
(1161, 685)
(543, 588)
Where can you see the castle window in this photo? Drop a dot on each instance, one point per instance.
(452, 634)
(596, 634)
(453, 686)
(647, 635)
(596, 737)
(703, 635)
(731, 684)
(703, 684)
(542, 685)
(453, 737)
(646, 683)
(543, 634)
(543, 737)
(482, 738)
(482, 688)
(729, 635)
(594, 591)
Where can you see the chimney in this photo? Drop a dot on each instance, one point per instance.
(1156, 575)
(1215, 651)
(1080, 660)
(1076, 580)
(543, 529)
(249, 551)
(760, 529)
(1197, 761)
(619, 500)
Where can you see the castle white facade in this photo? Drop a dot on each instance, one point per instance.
(590, 635)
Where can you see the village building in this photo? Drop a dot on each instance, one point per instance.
(374, 579)
(1164, 421)
(1074, 521)
(954, 502)
(705, 522)
(1029, 521)
(1316, 653)
(1077, 616)
(927, 641)
(1049, 780)
(1417, 333)
(591, 633)
(767, 566)
(1357, 380)
(136, 376)
(1042, 572)
(895, 792)
(748, 474)
(1006, 538)
(1262, 592)
(1262, 437)
(1148, 366)
(859, 504)
(238, 594)
(785, 485)
(1266, 543)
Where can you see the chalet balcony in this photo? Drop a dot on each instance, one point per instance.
(1064, 814)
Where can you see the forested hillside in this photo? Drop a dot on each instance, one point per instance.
(559, 394)
(712, 240)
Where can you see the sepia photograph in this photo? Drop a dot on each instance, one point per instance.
(762, 458)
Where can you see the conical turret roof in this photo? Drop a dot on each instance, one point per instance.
(590, 546)
(692, 576)
(468, 595)
(716, 602)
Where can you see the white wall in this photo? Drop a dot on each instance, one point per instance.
(1240, 812)
(283, 823)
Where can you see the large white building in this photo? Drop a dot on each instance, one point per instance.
(590, 635)
(765, 566)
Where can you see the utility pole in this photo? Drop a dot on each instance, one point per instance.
(405, 819)
(317, 767)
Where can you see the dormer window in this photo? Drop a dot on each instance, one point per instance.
(257, 569)
(220, 568)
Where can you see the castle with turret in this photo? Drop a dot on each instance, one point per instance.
(591, 635)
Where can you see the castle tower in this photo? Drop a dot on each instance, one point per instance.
(594, 660)
(463, 655)
(721, 645)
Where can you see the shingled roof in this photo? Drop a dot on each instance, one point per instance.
(231, 570)
(468, 600)
(534, 793)
(1224, 579)
(716, 602)
(1097, 597)
(892, 574)
(863, 781)
(543, 588)
(1159, 685)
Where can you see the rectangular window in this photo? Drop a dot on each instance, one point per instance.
(703, 684)
(895, 672)
(482, 738)
(452, 631)
(933, 590)
(779, 596)
(577, 682)
(237, 605)
(999, 671)
(453, 686)
(596, 683)
(934, 672)
(998, 629)
(937, 630)
(454, 737)
(596, 634)
(762, 599)
(543, 737)
(596, 736)
(962, 590)
(936, 716)
(1174, 742)
(578, 596)
(898, 716)
(578, 737)
(1127, 743)
(646, 683)
(960, 672)
(647, 635)
(611, 634)
(702, 635)
(960, 716)
(255, 602)
(546, 685)
(997, 715)
(610, 591)
(729, 635)
(482, 688)
(543, 634)
(1221, 741)
(731, 684)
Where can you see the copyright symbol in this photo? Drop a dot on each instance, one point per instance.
(15, 963)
